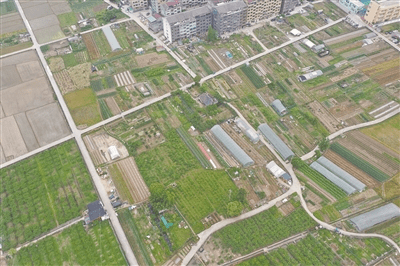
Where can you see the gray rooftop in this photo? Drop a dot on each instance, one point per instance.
(278, 144)
(277, 104)
(191, 14)
(333, 178)
(111, 39)
(377, 216)
(95, 210)
(230, 7)
(354, 182)
(231, 146)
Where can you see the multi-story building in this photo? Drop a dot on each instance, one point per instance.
(380, 11)
(186, 4)
(183, 4)
(353, 6)
(288, 6)
(170, 8)
(139, 4)
(262, 9)
(229, 17)
(187, 24)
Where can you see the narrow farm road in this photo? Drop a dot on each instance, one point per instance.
(350, 128)
(52, 232)
(296, 187)
(85, 154)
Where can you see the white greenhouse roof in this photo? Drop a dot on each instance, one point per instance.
(333, 178)
(111, 39)
(377, 216)
(275, 169)
(354, 182)
(247, 130)
(237, 152)
(278, 144)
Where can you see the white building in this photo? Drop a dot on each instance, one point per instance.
(113, 152)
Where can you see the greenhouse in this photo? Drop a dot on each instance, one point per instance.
(377, 216)
(354, 182)
(231, 146)
(333, 178)
(278, 144)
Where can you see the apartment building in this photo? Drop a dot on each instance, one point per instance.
(170, 8)
(380, 11)
(139, 4)
(186, 4)
(187, 24)
(352, 6)
(229, 17)
(262, 9)
(288, 6)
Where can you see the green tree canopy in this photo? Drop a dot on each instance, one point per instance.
(234, 208)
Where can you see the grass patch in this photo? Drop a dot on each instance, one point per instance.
(120, 183)
(105, 111)
(204, 65)
(83, 106)
(253, 76)
(67, 19)
(69, 60)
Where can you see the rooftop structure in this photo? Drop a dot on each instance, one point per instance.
(295, 32)
(353, 6)
(278, 144)
(377, 216)
(113, 151)
(229, 17)
(380, 11)
(351, 180)
(274, 169)
(114, 44)
(247, 130)
(333, 178)
(309, 76)
(288, 6)
(96, 210)
(309, 43)
(231, 146)
(318, 48)
(207, 99)
(278, 107)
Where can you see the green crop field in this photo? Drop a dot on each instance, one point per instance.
(324, 183)
(317, 249)
(74, 246)
(263, 229)
(359, 162)
(105, 111)
(83, 106)
(253, 76)
(201, 192)
(42, 192)
(193, 148)
(204, 65)
(67, 19)
(167, 162)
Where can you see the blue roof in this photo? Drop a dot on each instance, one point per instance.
(278, 144)
(151, 19)
(111, 39)
(167, 225)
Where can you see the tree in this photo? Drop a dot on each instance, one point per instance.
(324, 144)
(241, 195)
(160, 198)
(211, 34)
(234, 208)
(197, 79)
(297, 162)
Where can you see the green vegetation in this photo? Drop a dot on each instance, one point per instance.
(319, 179)
(328, 214)
(193, 148)
(212, 35)
(201, 192)
(74, 246)
(69, 60)
(83, 106)
(7, 7)
(67, 19)
(167, 162)
(204, 65)
(42, 192)
(134, 237)
(263, 229)
(317, 249)
(253, 76)
(105, 111)
(120, 183)
(359, 162)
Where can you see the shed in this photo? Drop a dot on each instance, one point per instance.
(207, 99)
(113, 151)
(309, 43)
(377, 216)
(116, 204)
(287, 177)
(279, 107)
(318, 48)
(274, 169)
(295, 32)
(308, 76)
(351, 180)
(247, 130)
(114, 44)
(370, 35)
(234, 149)
(278, 144)
(333, 178)
(96, 210)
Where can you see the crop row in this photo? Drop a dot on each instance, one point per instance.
(263, 229)
(359, 162)
(105, 110)
(324, 183)
(253, 77)
(193, 148)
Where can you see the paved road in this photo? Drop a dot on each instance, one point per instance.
(346, 129)
(270, 50)
(52, 232)
(77, 134)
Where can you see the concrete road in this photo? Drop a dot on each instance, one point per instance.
(350, 128)
(85, 154)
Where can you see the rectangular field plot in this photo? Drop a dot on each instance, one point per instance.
(42, 192)
(74, 246)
